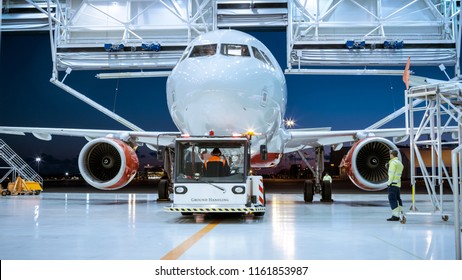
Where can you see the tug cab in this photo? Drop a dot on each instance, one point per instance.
(224, 185)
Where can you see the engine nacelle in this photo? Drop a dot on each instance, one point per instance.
(366, 161)
(108, 164)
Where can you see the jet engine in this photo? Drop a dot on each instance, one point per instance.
(107, 163)
(366, 161)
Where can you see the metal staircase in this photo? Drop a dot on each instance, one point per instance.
(17, 165)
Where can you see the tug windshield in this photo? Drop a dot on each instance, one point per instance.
(210, 162)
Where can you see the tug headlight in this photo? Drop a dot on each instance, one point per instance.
(181, 190)
(238, 189)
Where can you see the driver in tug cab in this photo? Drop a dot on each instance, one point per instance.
(217, 157)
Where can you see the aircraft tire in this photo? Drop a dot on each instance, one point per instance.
(162, 190)
(326, 192)
(308, 191)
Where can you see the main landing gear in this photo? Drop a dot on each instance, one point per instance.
(324, 188)
(318, 186)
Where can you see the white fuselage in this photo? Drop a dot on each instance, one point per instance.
(234, 88)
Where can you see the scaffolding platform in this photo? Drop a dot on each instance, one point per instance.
(351, 35)
(434, 124)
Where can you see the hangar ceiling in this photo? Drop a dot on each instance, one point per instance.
(127, 34)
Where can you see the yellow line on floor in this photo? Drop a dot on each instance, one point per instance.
(188, 243)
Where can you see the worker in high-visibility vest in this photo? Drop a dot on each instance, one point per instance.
(217, 157)
(327, 178)
(395, 169)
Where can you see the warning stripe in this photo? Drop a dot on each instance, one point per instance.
(215, 210)
(260, 196)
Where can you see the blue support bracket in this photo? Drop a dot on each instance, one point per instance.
(113, 47)
(151, 47)
(351, 44)
(396, 45)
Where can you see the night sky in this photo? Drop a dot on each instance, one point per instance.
(29, 99)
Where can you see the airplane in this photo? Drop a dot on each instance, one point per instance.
(227, 82)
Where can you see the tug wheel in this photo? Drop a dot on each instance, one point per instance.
(162, 189)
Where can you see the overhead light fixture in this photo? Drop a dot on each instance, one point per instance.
(125, 75)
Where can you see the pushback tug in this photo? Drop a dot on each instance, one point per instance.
(224, 186)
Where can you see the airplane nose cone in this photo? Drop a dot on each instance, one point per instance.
(213, 110)
(224, 95)
(211, 99)
(209, 72)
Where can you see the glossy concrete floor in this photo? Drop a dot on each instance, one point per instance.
(80, 226)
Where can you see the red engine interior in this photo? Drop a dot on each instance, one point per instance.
(108, 164)
(365, 163)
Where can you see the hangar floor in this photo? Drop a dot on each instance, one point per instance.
(81, 226)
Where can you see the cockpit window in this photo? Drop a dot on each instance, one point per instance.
(267, 58)
(185, 53)
(204, 50)
(258, 54)
(234, 50)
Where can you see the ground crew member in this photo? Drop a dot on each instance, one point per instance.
(395, 169)
(327, 178)
(215, 156)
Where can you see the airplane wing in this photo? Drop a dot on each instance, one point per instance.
(302, 139)
(153, 139)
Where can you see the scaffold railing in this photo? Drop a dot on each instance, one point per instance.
(434, 126)
(456, 161)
